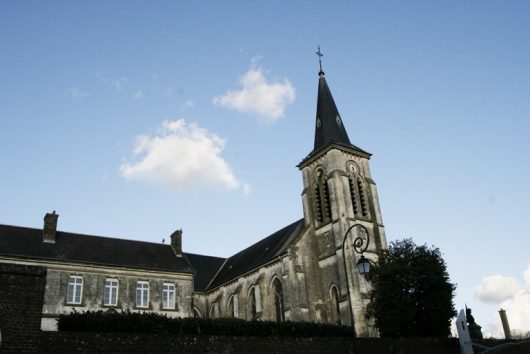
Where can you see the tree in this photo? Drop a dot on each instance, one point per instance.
(412, 295)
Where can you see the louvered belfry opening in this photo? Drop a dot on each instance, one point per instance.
(322, 199)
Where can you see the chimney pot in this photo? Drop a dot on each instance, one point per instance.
(50, 227)
(176, 241)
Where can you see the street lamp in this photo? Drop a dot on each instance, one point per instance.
(363, 266)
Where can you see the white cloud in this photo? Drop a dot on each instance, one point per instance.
(518, 311)
(259, 96)
(496, 288)
(78, 94)
(526, 279)
(115, 82)
(138, 95)
(247, 189)
(189, 104)
(516, 303)
(180, 156)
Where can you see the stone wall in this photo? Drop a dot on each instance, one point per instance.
(21, 297)
(61, 342)
(64, 342)
(353, 199)
(261, 279)
(93, 289)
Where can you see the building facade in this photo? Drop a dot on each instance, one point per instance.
(299, 273)
(101, 273)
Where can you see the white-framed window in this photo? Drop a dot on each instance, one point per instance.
(74, 294)
(142, 294)
(168, 296)
(110, 294)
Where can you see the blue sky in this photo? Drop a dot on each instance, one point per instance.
(439, 92)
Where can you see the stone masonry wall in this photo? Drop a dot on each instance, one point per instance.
(21, 297)
(60, 342)
(93, 290)
(64, 342)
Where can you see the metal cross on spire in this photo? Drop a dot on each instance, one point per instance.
(320, 55)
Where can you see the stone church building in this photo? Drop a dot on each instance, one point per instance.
(299, 273)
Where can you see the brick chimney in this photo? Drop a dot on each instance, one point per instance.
(50, 227)
(176, 241)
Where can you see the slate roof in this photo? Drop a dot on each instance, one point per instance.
(27, 243)
(210, 271)
(206, 268)
(258, 254)
(329, 127)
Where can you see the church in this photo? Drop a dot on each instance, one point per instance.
(307, 271)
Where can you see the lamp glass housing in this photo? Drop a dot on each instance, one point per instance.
(363, 265)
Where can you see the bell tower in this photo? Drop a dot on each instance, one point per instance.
(338, 193)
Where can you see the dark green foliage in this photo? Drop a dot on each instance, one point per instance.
(412, 295)
(105, 322)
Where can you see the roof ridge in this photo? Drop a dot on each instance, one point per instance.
(203, 255)
(84, 235)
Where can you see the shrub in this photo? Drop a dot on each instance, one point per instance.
(136, 322)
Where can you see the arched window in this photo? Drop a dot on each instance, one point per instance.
(233, 306)
(322, 198)
(318, 204)
(277, 291)
(358, 192)
(196, 313)
(354, 196)
(335, 307)
(362, 197)
(214, 310)
(252, 303)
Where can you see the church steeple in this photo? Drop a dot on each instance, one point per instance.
(329, 126)
(338, 193)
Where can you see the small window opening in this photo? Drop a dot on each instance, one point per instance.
(362, 197)
(322, 199)
(214, 310)
(252, 300)
(196, 313)
(318, 205)
(278, 301)
(327, 201)
(335, 306)
(355, 205)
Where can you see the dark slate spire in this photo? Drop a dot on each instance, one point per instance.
(329, 127)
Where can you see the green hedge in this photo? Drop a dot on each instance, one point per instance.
(134, 322)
